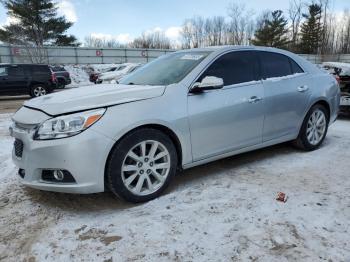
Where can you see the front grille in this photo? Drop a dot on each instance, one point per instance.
(18, 145)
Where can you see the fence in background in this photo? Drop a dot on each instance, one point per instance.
(77, 55)
(318, 59)
(82, 55)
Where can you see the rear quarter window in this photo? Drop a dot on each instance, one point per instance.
(296, 69)
(40, 69)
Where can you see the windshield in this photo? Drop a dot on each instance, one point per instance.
(166, 70)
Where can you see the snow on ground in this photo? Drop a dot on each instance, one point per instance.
(78, 75)
(100, 68)
(222, 211)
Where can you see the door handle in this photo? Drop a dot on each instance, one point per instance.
(254, 99)
(303, 89)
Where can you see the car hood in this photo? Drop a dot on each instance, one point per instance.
(89, 97)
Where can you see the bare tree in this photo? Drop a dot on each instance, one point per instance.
(28, 52)
(327, 21)
(295, 15)
(241, 25)
(214, 31)
(193, 32)
(156, 40)
(341, 33)
(102, 42)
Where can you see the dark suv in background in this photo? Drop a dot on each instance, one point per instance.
(35, 80)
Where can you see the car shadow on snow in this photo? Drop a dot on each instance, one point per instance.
(76, 203)
(344, 116)
(196, 174)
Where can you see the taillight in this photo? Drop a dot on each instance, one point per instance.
(53, 77)
(337, 78)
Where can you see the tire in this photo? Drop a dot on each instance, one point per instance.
(132, 175)
(311, 134)
(61, 84)
(38, 90)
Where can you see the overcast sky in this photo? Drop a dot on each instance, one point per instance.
(126, 19)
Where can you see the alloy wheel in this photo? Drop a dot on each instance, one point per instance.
(146, 167)
(316, 127)
(39, 91)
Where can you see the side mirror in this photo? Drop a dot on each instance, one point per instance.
(208, 83)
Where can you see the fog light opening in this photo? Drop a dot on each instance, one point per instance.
(58, 175)
(21, 172)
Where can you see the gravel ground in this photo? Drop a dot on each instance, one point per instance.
(223, 211)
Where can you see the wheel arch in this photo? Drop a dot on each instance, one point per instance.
(322, 102)
(37, 83)
(165, 129)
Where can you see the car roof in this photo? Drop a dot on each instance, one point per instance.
(219, 50)
(226, 48)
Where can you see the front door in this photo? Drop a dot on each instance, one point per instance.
(230, 118)
(4, 88)
(16, 79)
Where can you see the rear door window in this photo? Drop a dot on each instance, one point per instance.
(234, 68)
(274, 65)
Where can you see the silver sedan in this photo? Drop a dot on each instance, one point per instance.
(182, 110)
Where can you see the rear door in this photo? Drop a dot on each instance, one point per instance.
(286, 95)
(230, 118)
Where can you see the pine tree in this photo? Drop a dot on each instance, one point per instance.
(272, 31)
(311, 30)
(36, 23)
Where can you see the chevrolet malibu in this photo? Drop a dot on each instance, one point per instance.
(182, 110)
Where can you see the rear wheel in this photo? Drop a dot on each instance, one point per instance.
(314, 128)
(61, 83)
(38, 90)
(141, 165)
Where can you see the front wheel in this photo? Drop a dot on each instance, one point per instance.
(314, 128)
(141, 165)
(38, 90)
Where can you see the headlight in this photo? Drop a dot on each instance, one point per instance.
(68, 125)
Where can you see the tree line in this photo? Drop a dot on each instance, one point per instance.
(309, 28)
(305, 27)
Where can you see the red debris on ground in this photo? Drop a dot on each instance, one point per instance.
(282, 197)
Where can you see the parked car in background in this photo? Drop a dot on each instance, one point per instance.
(114, 76)
(62, 76)
(20, 79)
(181, 110)
(341, 71)
(94, 75)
